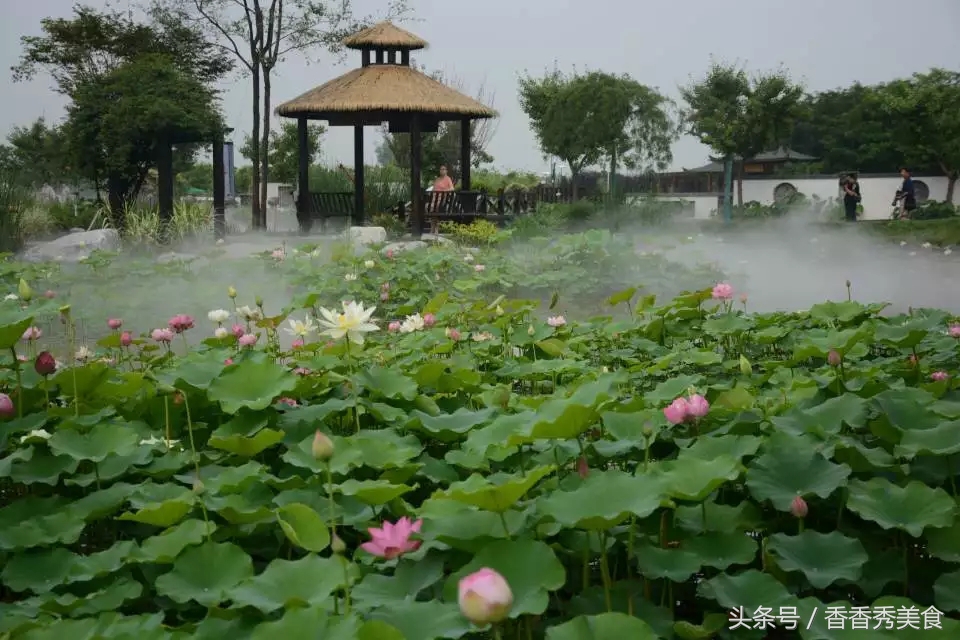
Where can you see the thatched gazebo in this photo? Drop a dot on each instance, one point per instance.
(384, 89)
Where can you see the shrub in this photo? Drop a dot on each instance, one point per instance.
(934, 210)
(477, 233)
(13, 206)
(394, 226)
(68, 215)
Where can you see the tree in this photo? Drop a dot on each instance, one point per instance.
(117, 121)
(36, 152)
(442, 147)
(92, 43)
(284, 154)
(260, 33)
(739, 117)
(583, 119)
(926, 125)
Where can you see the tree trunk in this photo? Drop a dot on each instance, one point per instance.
(740, 183)
(951, 183)
(117, 201)
(255, 151)
(265, 150)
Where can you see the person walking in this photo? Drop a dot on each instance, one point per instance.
(851, 197)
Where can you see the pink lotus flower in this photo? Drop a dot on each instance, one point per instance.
(302, 371)
(393, 326)
(6, 406)
(583, 467)
(453, 334)
(938, 376)
(393, 540)
(677, 411)
(955, 331)
(238, 330)
(49, 295)
(126, 339)
(247, 340)
(484, 597)
(390, 254)
(834, 358)
(799, 507)
(697, 406)
(32, 333)
(114, 323)
(384, 296)
(180, 323)
(478, 268)
(290, 402)
(228, 361)
(297, 344)
(429, 319)
(162, 335)
(722, 291)
(556, 321)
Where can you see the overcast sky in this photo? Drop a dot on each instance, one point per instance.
(824, 43)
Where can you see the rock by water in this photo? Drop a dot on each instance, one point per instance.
(73, 247)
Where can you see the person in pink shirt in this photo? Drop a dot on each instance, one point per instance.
(443, 183)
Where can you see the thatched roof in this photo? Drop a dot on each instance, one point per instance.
(384, 34)
(384, 88)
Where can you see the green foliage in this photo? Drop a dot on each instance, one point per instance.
(37, 155)
(394, 226)
(64, 216)
(116, 123)
(476, 234)
(284, 155)
(934, 210)
(583, 119)
(167, 493)
(13, 202)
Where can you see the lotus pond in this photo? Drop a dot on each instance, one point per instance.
(335, 467)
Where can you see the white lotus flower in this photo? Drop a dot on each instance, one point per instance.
(83, 354)
(468, 258)
(947, 252)
(350, 277)
(250, 315)
(482, 336)
(11, 296)
(153, 441)
(903, 243)
(219, 316)
(412, 323)
(925, 245)
(43, 434)
(301, 329)
(556, 321)
(369, 264)
(220, 333)
(352, 323)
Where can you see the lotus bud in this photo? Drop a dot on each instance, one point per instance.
(45, 364)
(6, 406)
(337, 545)
(531, 330)
(198, 486)
(24, 290)
(834, 358)
(258, 301)
(745, 367)
(322, 446)
(65, 311)
(485, 597)
(232, 293)
(799, 507)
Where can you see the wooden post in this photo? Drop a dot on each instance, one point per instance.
(416, 189)
(358, 188)
(465, 154)
(165, 180)
(405, 57)
(219, 189)
(365, 58)
(303, 177)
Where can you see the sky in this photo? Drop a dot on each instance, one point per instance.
(822, 43)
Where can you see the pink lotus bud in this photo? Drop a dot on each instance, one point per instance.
(337, 545)
(390, 253)
(125, 339)
(834, 358)
(162, 335)
(697, 406)
(238, 330)
(6, 406)
(478, 268)
(743, 298)
(49, 295)
(429, 320)
(583, 467)
(114, 323)
(302, 371)
(485, 597)
(290, 402)
(322, 447)
(247, 340)
(453, 334)
(799, 507)
(955, 331)
(913, 360)
(45, 364)
(938, 376)
(722, 291)
(297, 344)
(677, 411)
(393, 326)
(32, 333)
(228, 361)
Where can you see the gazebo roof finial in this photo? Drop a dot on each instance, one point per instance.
(385, 35)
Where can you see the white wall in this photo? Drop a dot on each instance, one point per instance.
(877, 193)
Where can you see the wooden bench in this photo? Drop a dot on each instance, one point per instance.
(325, 205)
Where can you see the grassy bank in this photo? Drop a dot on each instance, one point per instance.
(942, 233)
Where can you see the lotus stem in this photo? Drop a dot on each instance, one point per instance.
(16, 370)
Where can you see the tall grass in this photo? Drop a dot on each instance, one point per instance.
(13, 205)
(383, 186)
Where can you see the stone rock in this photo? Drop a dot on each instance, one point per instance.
(77, 230)
(73, 247)
(434, 237)
(365, 236)
(406, 245)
